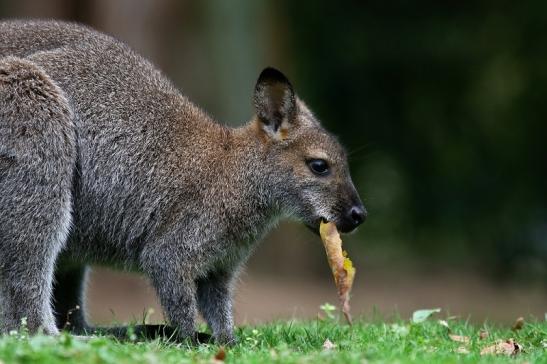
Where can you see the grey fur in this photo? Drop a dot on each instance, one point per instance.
(103, 161)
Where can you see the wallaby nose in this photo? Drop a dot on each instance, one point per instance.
(357, 215)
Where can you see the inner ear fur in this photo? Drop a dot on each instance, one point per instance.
(274, 100)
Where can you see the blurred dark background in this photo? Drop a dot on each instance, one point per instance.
(441, 106)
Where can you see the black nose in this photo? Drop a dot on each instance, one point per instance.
(357, 215)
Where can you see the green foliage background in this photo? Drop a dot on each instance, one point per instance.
(442, 106)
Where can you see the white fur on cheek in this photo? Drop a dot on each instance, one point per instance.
(320, 209)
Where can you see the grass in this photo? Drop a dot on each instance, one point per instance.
(294, 342)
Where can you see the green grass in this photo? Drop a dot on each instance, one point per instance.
(294, 342)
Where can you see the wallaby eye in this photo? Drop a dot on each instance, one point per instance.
(319, 166)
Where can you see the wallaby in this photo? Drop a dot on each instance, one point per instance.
(103, 161)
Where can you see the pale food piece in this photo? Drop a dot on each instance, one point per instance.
(341, 266)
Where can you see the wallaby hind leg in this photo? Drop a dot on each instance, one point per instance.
(37, 159)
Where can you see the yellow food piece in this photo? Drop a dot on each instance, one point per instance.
(341, 266)
(350, 269)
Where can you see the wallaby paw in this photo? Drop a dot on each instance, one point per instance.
(227, 339)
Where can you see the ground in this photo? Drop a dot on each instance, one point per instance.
(367, 341)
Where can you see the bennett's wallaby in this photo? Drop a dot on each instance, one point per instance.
(104, 161)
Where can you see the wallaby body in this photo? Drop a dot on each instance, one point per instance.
(103, 161)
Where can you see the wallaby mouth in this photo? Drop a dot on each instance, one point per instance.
(342, 227)
(314, 224)
(345, 228)
(314, 227)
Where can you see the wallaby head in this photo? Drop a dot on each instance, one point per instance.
(309, 164)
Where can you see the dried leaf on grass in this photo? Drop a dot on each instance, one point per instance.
(459, 338)
(519, 324)
(328, 345)
(341, 266)
(220, 356)
(508, 347)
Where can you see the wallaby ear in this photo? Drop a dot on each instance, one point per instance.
(274, 100)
